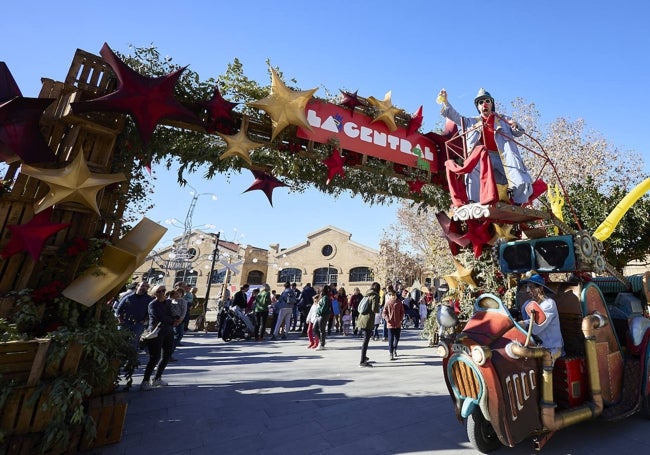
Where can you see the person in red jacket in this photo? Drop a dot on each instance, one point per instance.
(393, 313)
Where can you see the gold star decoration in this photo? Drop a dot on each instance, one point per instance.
(285, 106)
(463, 274)
(386, 111)
(239, 144)
(73, 183)
(503, 232)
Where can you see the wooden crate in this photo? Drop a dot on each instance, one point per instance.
(25, 412)
(67, 365)
(28, 444)
(23, 362)
(109, 414)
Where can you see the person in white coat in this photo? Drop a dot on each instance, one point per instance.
(499, 160)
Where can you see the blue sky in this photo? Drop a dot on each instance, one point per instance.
(574, 59)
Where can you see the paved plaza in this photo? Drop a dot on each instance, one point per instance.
(278, 397)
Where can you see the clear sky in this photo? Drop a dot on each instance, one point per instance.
(574, 59)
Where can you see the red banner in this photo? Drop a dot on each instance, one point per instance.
(359, 134)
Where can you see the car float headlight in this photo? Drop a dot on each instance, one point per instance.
(442, 350)
(481, 354)
(509, 351)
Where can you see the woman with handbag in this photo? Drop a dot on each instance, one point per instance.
(160, 348)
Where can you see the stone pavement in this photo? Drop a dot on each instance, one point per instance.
(277, 397)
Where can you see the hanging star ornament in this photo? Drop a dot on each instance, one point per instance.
(285, 106)
(478, 233)
(350, 100)
(20, 131)
(463, 274)
(334, 165)
(452, 230)
(503, 232)
(148, 99)
(416, 122)
(219, 112)
(73, 183)
(386, 111)
(239, 145)
(415, 186)
(266, 183)
(32, 235)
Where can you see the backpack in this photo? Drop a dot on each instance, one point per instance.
(291, 297)
(364, 305)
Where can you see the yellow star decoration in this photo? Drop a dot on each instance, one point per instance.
(73, 183)
(386, 111)
(239, 144)
(284, 106)
(503, 232)
(452, 282)
(463, 275)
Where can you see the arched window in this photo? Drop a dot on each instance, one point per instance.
(291, 275)
(188, 276)
(361, 274)
(325, 275)
(255, 277)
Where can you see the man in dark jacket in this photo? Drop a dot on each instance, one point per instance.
(304, 304)
(366, 322)
(241, 299)
(132, 311)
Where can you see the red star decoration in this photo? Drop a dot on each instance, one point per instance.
(334, 165)
(148, 99)
(416, 122)
(220, 113)
(8, 87)
(350, 100)
(478, 233)
(20, 133)
(31, 236)
(452, 231)
(415, 186)
(266, 183)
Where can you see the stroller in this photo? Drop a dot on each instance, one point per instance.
(234, 324)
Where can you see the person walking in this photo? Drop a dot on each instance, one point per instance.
(160, 348)
(132, 311)
(262, 302)
(284, 309)
(366, 322)
(323, 312)
(393, 313)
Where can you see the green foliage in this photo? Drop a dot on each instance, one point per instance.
(631, 239)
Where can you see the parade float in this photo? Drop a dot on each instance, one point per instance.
(74, 162)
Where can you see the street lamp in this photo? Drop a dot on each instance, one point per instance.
(181, 256)
(215, 255)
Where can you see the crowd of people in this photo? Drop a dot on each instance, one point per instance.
(315, 313)
(318, 313)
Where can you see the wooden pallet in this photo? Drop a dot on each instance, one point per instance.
(23, 362)
(109, 413)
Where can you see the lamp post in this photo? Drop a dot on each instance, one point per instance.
(215, 255)
(181, 256)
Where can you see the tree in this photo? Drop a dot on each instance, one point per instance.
(631, 239)
(394, 263)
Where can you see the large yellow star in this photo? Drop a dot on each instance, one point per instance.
(503, 232)
(285, 106)
(386, 110)
(463, 274)
(239, 144)
(73, 183)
